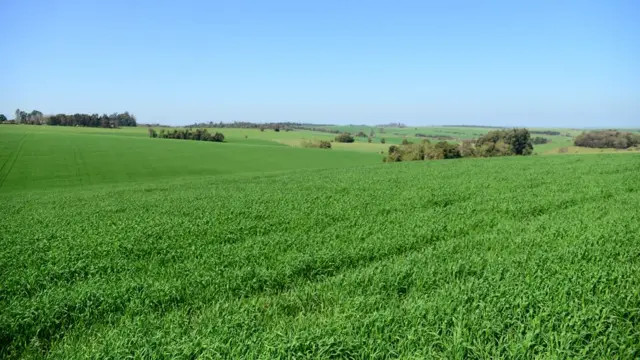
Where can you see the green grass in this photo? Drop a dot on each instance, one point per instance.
(519, 257)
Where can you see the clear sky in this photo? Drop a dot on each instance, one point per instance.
(532, 63)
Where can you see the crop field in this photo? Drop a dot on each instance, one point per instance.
(128, 247)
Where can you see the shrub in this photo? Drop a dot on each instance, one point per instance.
(361, 134)
(405, 142)
(345, 138)
(382, 141)
(152, 133)
(369, 139)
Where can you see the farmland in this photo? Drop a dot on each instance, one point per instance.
(116, 245)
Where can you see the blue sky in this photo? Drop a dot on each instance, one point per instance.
(513, 63)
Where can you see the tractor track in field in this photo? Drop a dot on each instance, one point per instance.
(12, 160)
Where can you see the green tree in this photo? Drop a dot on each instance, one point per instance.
(345, 138)
(3, 118)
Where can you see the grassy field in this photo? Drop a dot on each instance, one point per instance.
(128, 247)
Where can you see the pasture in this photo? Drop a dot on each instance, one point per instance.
(115, 245)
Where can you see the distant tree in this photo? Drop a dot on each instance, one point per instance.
(405, 142)
(218, 137)
(276, 129)
(261, 128)
(369, 139)
(382, 141)
(3, 118)
(152, 133)
(18, 116)
(371, 133)
(345, 138)
(361, 134)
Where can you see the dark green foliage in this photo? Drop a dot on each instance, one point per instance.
(152, 133)
(276, 129)
(188, 134)
(369, 139)
(504, 143)
(608, 139)
(2, 118)
(449, 151)
(382, 141)
(345, 138)
(538, 140)
(106, 121)
(405, 142)
(361, 134)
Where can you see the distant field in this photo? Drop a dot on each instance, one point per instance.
(44, 157)
(118, 246)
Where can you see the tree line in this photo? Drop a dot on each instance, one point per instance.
(545, 132)
(494, 143)
(608, 139)
(36, 117)
(538, 140)
(186, 134)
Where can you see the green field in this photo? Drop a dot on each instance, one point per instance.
(115, 245)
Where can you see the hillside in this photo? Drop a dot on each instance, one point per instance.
(125, 246)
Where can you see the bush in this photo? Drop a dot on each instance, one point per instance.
(369, 139)
(345, 138)
(382, 141)
(405, 142)
(152, 133)
(361, 134)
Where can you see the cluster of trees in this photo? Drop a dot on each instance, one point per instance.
(36, 117)
(345, 138)
(321, 144)
(608, 139)
(539, 140)
(187, 134)
(94, 120)
(422, 151)
(494, 143)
